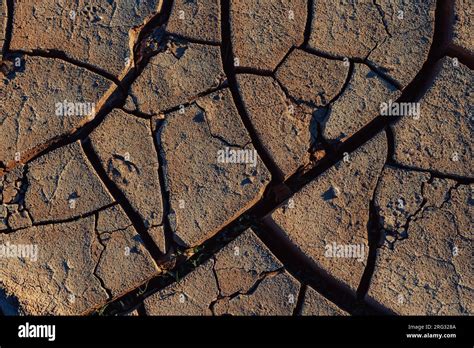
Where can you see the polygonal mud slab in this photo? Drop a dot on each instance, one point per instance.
(263, 31)
(63, 185)
(283, 129)
(124, 144)
(441, 138)
(394, 36)
(430, 270)
(124, 263)
(311, 79)
(358, 104)
(464, 24)
(71, 268)
(197, 20)
(57, 277)
(99, 33)
(44, 99)
(212, 171)
(315, 304)
(243, 278)
(398, 198)
(275, 294)
(176, 76)
(327, 219)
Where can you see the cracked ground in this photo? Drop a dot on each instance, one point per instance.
(214, 157)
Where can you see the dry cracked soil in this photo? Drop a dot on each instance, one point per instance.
(260, 157)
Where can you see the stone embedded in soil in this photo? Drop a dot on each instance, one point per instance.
(282, 128)
(243, 278)
(207, 190)
(176, 76)
(441, 138)
(124, 263)
(430, 272)
(359, 103)
(332, 231)
(263, 31)
(464, 24)
(32, 99)
(62, 185)
(312, 79)
(394, 37)
(95, 32)
(315, 304)
(124, 145)
(196, 20)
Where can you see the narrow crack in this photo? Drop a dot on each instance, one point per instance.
(192, 40)
(61, 221)
(374, 235)
(60, 55)
(382, 17)
(180, 267)
(300, 301)
(99, 240)
(9, 27)
(309, 23)
(120, 198)
(230, 71)
(464, 55)
(165, 194)
(290, 51)
(277, 194)
(114, 98)
(460, 179)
